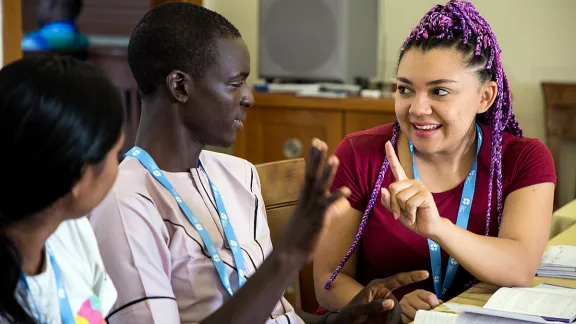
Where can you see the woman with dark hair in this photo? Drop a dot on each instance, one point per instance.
(452, 186)
(60, 134)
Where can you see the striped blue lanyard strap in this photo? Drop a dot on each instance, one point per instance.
(65, 311)
(147, 161)
(462, 221)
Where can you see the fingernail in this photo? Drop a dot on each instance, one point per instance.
(396, 215)
(388, 304)
(346, 191)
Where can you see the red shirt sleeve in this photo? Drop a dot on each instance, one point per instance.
(533, 164)
(348, 175)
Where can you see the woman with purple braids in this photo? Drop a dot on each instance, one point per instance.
(452, 187)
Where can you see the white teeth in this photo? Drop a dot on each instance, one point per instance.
(427, 127)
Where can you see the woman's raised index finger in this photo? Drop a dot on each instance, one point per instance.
(394, 163)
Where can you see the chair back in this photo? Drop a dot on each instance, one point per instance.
(281, 182)
(560, 102)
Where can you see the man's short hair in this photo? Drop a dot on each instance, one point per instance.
(176, 35)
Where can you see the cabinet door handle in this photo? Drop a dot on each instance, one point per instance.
(292, 148)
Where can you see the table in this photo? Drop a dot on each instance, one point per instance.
(480, 293)
(563, 218)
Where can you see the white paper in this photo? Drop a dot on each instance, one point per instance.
(556, 275)
(427, 317)
(497, 313)
(556, 304)
(468, 318)
(547, 272)
(556, 267)
(553, 289)
(560, 255)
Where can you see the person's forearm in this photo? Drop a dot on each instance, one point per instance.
(343, 289)
(253, 303)
(499, 261)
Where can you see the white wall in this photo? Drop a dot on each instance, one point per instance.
(537, 44)
(244, 15)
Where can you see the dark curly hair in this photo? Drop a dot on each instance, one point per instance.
(175, 35)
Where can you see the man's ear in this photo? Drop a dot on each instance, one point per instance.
(177, 85)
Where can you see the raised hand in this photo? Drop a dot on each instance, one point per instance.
(376, 303)
(409, 200)
(316, 207)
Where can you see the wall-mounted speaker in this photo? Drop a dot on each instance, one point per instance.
(318, 40)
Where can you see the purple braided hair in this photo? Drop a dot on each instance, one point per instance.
(457, 23)
(371, 203)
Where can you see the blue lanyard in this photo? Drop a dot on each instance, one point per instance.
(65, 311)
(151, 166)
(462, 221)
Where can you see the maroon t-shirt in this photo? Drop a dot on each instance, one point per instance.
(387, 246)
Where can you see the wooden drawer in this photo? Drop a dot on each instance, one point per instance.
(273, 134)
(357, 121)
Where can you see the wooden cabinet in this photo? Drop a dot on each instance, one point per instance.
(357, 121)
(281, 126)
(278, 134)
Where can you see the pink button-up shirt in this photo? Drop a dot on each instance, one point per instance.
(155, 257)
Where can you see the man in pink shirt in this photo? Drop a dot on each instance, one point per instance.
(183, 228)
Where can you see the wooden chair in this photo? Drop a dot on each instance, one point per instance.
(280, 183)
(560, 101)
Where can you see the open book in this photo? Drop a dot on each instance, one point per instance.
(541, 304)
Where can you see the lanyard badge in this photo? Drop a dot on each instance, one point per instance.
(147, 161)
(66, 314)
(441, 287)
